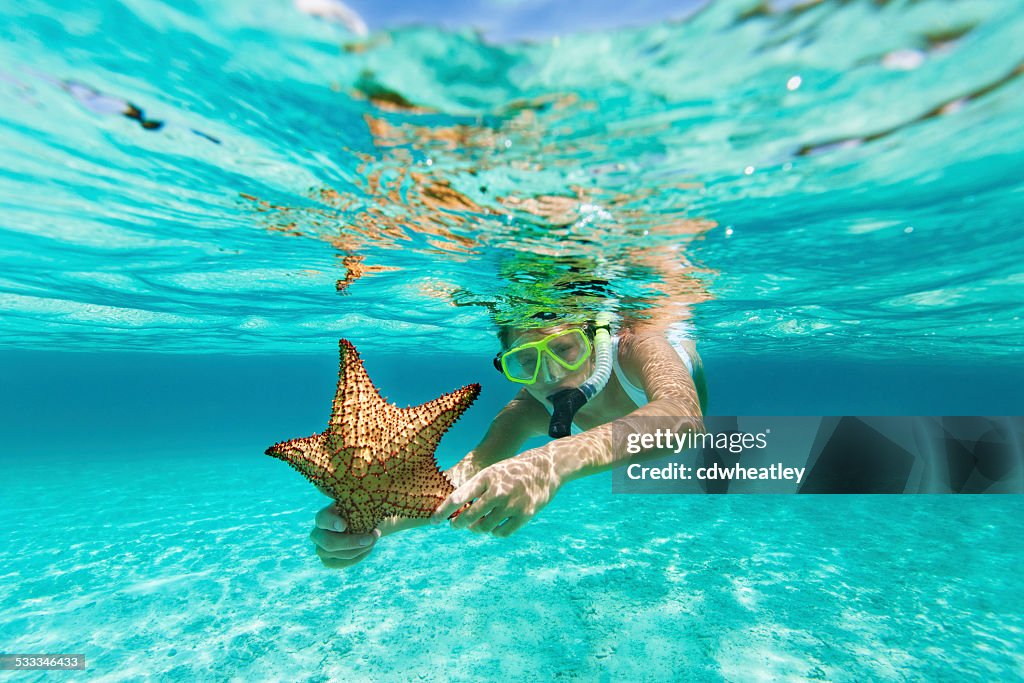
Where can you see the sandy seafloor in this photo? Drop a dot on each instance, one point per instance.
(142, 565)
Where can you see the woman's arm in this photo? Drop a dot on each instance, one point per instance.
(518, 421)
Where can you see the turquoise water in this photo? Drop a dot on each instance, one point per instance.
(118, 237)
(829, 197)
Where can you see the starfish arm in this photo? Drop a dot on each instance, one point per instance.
(428, 484)
(432, 419)
(307, 455)
(356, 392)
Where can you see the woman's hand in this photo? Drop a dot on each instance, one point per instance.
(508, 494)
(336, 548)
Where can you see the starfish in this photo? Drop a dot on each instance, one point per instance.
(376, 460)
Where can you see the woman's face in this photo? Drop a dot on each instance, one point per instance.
(552, 377)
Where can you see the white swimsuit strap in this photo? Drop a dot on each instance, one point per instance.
(635, 393)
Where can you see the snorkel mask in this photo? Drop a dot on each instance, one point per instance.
(568, 349)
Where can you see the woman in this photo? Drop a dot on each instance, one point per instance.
(579, 384)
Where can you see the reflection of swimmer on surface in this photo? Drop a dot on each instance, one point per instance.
(579, 384)
(102, 103)
(455, 224)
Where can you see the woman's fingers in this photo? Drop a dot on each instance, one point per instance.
(329, 519)
(473, 488)
(330, 560)
(510, 526)
(475, 512)
(335, 547)
(487, 523)
(334, 542)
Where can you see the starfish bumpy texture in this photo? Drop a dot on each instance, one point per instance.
(376, 460)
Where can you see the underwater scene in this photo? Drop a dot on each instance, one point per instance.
(323, 325)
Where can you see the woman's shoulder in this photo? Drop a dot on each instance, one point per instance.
(644, 351)
(634, 342)
(635, 337)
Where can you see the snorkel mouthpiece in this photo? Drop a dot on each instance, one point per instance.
(564, 405)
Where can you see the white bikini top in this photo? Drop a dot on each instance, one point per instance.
(635, 393)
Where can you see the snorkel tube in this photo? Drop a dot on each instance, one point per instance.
(565, 403)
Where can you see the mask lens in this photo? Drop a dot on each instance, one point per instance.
(521, 363)
(569, 346)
